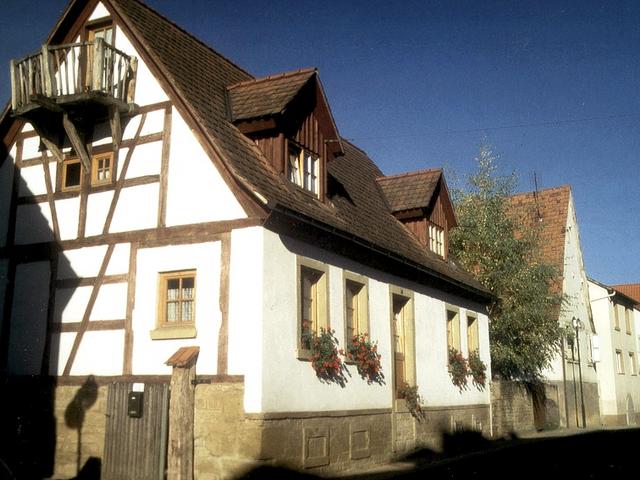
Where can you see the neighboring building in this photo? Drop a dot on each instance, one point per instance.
(631, 290)
(159, 204)
(573, 372)
(616, 316)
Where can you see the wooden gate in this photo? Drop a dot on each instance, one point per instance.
(135, 447)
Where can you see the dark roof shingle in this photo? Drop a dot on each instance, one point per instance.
(410, 190)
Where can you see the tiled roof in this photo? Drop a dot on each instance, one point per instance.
(631, 290)
(266, 96)
(201, 77)
(410, 190)
(550, 207)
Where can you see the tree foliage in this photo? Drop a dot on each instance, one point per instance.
(503, 251)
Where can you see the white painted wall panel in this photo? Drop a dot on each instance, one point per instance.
(137, 209)
(98, 205)
(68, 211)
(196, 191)
(6, 185)
(30, 148)
(119, 262)
(246, 290)
(29, 318)
(148, 89)
(100, 353)
(154, 123)
(130, 128)
(99, 12)
(149, 356)
(111, 303)
(71, 303)
(81, 262)
(145, 160)
(32, 181)
(34, 224)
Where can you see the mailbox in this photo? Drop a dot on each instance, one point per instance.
(134, 404)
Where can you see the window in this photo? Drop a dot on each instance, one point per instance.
(436, 239)
(356, 311)
(403, 343)
(176, 305)
(619, 362)
(304, 169)
(632, 362)
(453, 330)
(312, 297)
(103, 30)
(473, 343)
(616, 316)
(101, 168)
(627, 319)
(71, 174)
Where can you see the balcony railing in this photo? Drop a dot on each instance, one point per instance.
(61, 71)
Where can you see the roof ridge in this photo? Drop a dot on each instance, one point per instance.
(564, 186)
(182, 30)
(276, 76)
(410, 174)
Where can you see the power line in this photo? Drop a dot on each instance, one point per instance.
(549, 123)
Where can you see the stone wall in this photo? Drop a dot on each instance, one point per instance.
(574, 398)
(512, 408)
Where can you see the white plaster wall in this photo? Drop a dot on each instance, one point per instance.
(149, 356)
(6, 185)
(30, 148)
(99, 353)
(28, 318)
(119, 262)
(196, 192)
(99, 12)
(601, 308)
(154, 123)
(33, 182)
(148, 90)
(137, 209)
(247, 293)
(81, 262)
(34, 224)
(98, 205)
(68, 213)
(145, 160)
(282, 369)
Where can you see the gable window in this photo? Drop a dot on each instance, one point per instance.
(619, 362)
(472, 333)
(101, 169)
(304, 169)
(312, 305)
(71, 174)
(356, 308)
(436, 239)
(453, 330)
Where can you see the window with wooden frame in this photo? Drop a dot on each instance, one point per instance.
(71, 175)
(403, 341)
(304, 169)
(616, 316)
(356, 307)
(632, 362)
(103, 30)
(473, 343)
(453, 330)
(436, 239)
(312, 304)
(619, 362)
(627, 319)
(102, 169)
(176, 316)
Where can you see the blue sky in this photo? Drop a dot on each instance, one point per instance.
(551, 85)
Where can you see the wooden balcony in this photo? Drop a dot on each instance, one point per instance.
(65, 90)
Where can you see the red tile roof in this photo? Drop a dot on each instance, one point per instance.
(550, 207)
(631, 290)
(410, 190)
(266, 96)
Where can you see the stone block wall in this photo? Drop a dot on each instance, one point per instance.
(512, 408)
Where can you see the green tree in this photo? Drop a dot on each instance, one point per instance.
(503, 251)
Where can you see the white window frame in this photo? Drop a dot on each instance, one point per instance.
(304, 169)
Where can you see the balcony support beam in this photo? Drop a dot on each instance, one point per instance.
(77, 142)
(116, 126)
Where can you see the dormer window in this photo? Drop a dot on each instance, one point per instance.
(436, 239)
(304, 169)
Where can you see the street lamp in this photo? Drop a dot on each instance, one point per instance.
(578, 325)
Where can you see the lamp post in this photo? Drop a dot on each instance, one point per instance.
(577, 325)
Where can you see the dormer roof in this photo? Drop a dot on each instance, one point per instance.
(266, 96)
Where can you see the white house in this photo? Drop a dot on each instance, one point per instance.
(616, 317)
(157, 200)
(572, 374)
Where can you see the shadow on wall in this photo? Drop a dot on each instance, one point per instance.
(29, 344)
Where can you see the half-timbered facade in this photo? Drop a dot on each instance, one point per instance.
(163, 209)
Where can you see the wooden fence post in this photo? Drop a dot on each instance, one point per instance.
(181, 413)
